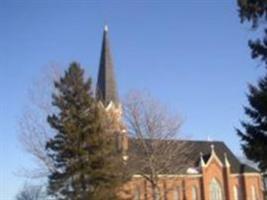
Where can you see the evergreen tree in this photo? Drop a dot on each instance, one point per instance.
(253, 11)
(83, 151)
(254, 136)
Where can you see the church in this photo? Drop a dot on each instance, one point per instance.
(212, 171)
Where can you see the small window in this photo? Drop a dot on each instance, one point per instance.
(236, 196)
(194, 193)
(157, 194)
(137, 194)
(237, 193)
(176, 193)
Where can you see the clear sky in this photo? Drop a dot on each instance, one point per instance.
(190, 54)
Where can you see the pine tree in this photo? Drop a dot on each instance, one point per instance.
(84, 154)
(255, 12)
(255, 135)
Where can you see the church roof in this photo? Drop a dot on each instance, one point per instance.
(189, 157)
(106, 89)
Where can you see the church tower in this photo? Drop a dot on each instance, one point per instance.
(107, 94)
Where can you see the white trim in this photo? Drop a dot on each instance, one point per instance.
(110, 105)
(213, 155)
(226, 161)
(246, 174)
(192, 175)
(195, 175)
(171, 175)
(202, 162)
(101, 104)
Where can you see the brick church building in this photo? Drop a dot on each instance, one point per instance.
(212, 171)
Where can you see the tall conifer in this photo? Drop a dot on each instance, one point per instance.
(254, 136)
(88, 165)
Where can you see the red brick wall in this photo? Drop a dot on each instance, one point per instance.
(253, 181)
(214, 169)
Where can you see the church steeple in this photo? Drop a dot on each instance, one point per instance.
(106, 93)
(106, 89)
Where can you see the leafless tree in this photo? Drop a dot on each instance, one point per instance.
(31, 192)
(34, 129)
(154, 131)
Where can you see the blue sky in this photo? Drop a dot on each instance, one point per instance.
(191, 55)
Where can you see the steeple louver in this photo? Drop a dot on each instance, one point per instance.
(106, 89)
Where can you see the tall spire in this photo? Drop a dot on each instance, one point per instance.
(106, 89)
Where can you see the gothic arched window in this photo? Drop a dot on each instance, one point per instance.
(176, 194)
(137, 194)
(215, 190)
(157, 194)
(237, 193)
(194, 193)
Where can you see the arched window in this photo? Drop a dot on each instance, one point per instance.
(215, 190)
(176, 193)
(194, 193)
(137, 194)
(157, 194)
(237, 193)
(253, 193)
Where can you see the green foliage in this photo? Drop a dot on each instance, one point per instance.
(255, 134)
(84, 153)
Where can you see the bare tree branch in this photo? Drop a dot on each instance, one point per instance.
(31, 192)
(34, 129)
(154, 130)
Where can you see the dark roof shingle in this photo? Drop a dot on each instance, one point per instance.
(192, 155)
